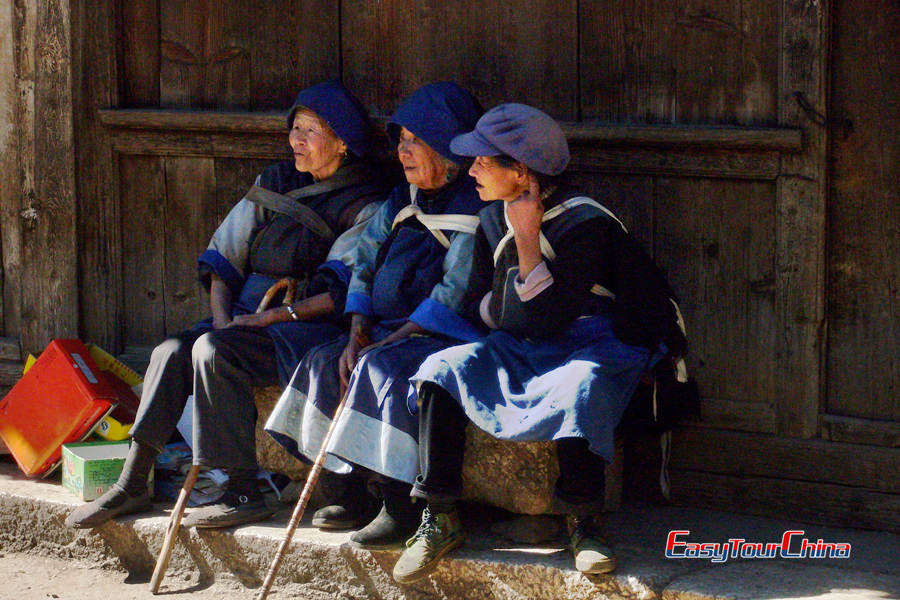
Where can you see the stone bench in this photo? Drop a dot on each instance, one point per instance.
(516, 476)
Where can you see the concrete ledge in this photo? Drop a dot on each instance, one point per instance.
(320, 565)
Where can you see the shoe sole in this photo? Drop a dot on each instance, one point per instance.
(334, 525)
(597, 568)
(231, 521)
(108, 515)
(429, 567)
(391, 546)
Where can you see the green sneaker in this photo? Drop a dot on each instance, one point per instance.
(592, 555)
(437, 535)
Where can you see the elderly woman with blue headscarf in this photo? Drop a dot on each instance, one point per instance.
(296, 221)
(579, 313)
(409, 275)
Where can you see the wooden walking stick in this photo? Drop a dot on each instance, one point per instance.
(311, 481)
(162, 563)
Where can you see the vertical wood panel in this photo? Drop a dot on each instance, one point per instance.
(696, 61)
(715, 239)
(143, 224)
(629, 197)
(139, 52)
(800, 220)
(99, 243)
(49, 276)
(233, 178)
(183, 42)
(318, 43)
(10, 186)
(190, 221)
(504, 54)
(864, 214)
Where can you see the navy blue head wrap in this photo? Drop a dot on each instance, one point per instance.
(341, 110)
(436, 113)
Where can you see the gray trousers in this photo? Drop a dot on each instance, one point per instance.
(220, 368)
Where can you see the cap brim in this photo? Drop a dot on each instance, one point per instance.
(473, 144)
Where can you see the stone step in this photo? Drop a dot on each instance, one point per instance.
(321, 565)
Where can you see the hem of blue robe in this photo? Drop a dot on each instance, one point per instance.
(359, 303)
(339, 268)
(435, 317)
(397, 454)
(224, 269)
(308, 441)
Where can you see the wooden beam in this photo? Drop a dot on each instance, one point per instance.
(10, 349)
(800, 218)
(8, 156)
(861, 431)
(714, 138)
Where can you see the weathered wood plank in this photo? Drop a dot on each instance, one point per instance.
(629, 197)
(391, 48)
(9, 180)
(99, 244)
(233, 178)
(143, 201)
(776, 457)
(10, 349)
(139, 52)
(183, 34)
(861, 431)
(800, 220)
(826, 503)
(10, 373)
(317, 31)
(689, 163)
(18, 180)
(199, 145)
(714, 238)
(49, 282)
(190, 221)
(688, 62)
(742, 414)
(863, 361)
(586, 132)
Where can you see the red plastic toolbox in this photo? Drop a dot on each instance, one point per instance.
(59, 400)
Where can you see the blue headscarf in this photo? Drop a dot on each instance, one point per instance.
(436, 113)
(341, 110)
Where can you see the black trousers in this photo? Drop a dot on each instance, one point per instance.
(220, 368)
(442, 424)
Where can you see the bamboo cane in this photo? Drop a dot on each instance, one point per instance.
(302, 501)
(162, 563)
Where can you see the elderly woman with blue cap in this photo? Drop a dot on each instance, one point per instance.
(299, 220)
(410, 271)
(578, 313)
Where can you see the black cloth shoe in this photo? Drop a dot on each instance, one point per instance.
(113, 503)
(351, 507)
(395, 523)
(232, 509)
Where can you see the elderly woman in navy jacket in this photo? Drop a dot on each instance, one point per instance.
(578, 314)
(410, 271)
(326, 188)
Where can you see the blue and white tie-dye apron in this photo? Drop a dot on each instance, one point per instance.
(577, 385)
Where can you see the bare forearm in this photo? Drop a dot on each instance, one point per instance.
(529, 248)
(219, 301)
(407, 329)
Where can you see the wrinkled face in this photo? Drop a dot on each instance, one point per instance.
(317, 150)
(496, 182)
(422, 166)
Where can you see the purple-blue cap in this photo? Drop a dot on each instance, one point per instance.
(522, 132)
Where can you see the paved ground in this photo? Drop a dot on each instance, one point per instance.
(43, 559)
